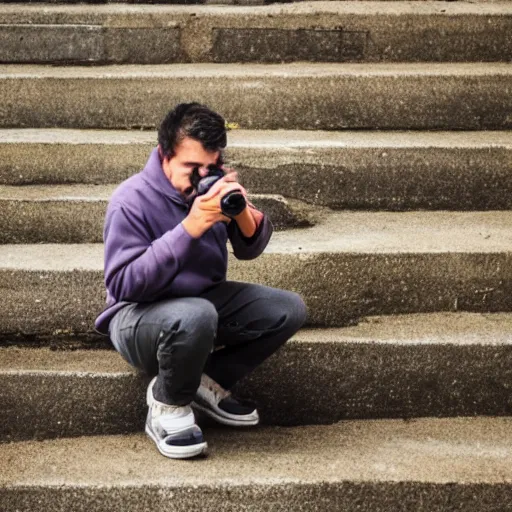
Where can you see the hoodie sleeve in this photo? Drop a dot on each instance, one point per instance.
(249, 248)
(137, 268)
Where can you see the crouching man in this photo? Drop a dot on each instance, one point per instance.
(170, 310)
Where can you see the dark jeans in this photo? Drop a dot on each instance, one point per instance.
(178, 338)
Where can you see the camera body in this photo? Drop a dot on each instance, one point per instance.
(231, 203)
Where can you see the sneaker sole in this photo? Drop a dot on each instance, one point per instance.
(223, 420)
(178, 452)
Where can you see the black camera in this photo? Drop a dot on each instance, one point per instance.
(231, 203)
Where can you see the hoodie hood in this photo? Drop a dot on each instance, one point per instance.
(153, 174)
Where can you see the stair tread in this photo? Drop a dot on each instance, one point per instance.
(421, 96)
(240, 71)
(469, 450)
(421, 329)
(69, 13)
(338, 232)
(403, 232)
(57, 192)
(272, 138)
(76, 192)
(406, 170)
(400, 366)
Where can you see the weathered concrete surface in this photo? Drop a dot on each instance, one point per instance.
(93, 397)
(29, 156)
(349, 265)
(290, 96)
(401, 366)
(331, 497)
(426, 465)
(65, 43)
(315, 31)
(209, 2)
(288, 45)
(50, 43)
(407, 366)
(76, 213)
(356, 170)
(172, 2)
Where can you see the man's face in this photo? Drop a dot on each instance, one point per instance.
(189, 153)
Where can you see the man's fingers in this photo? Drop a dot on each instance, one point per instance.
(235, 187)
(242, 189)
(222, 187)
(211, 206)
(230, 187)
(214, 190)
(231, 176)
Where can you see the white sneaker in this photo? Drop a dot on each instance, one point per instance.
(213, 400)
(173, 428)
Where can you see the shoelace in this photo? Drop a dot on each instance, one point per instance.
(161, 409)
(218, 392)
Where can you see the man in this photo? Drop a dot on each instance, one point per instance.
(170, 310)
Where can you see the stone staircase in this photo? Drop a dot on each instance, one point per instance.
(378, 137)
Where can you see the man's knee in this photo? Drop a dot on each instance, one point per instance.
(285, 310)
(295, 310)
(193, 325)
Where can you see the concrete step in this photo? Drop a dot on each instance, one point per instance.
(290, 96)
(334, 31)
(209, 2)
(355, 170)
(405, 366)
(350, 264)
(434, 465)
(76, 213)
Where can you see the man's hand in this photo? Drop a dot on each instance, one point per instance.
(248, 220)
(202, 216)
(206, 211)
(230, 174)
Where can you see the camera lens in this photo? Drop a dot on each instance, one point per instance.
(232, 203)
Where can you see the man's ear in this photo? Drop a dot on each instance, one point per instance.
(161, 154)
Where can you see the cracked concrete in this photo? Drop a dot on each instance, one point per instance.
(314, 31)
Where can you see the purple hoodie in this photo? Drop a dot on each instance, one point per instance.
(149, 256)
